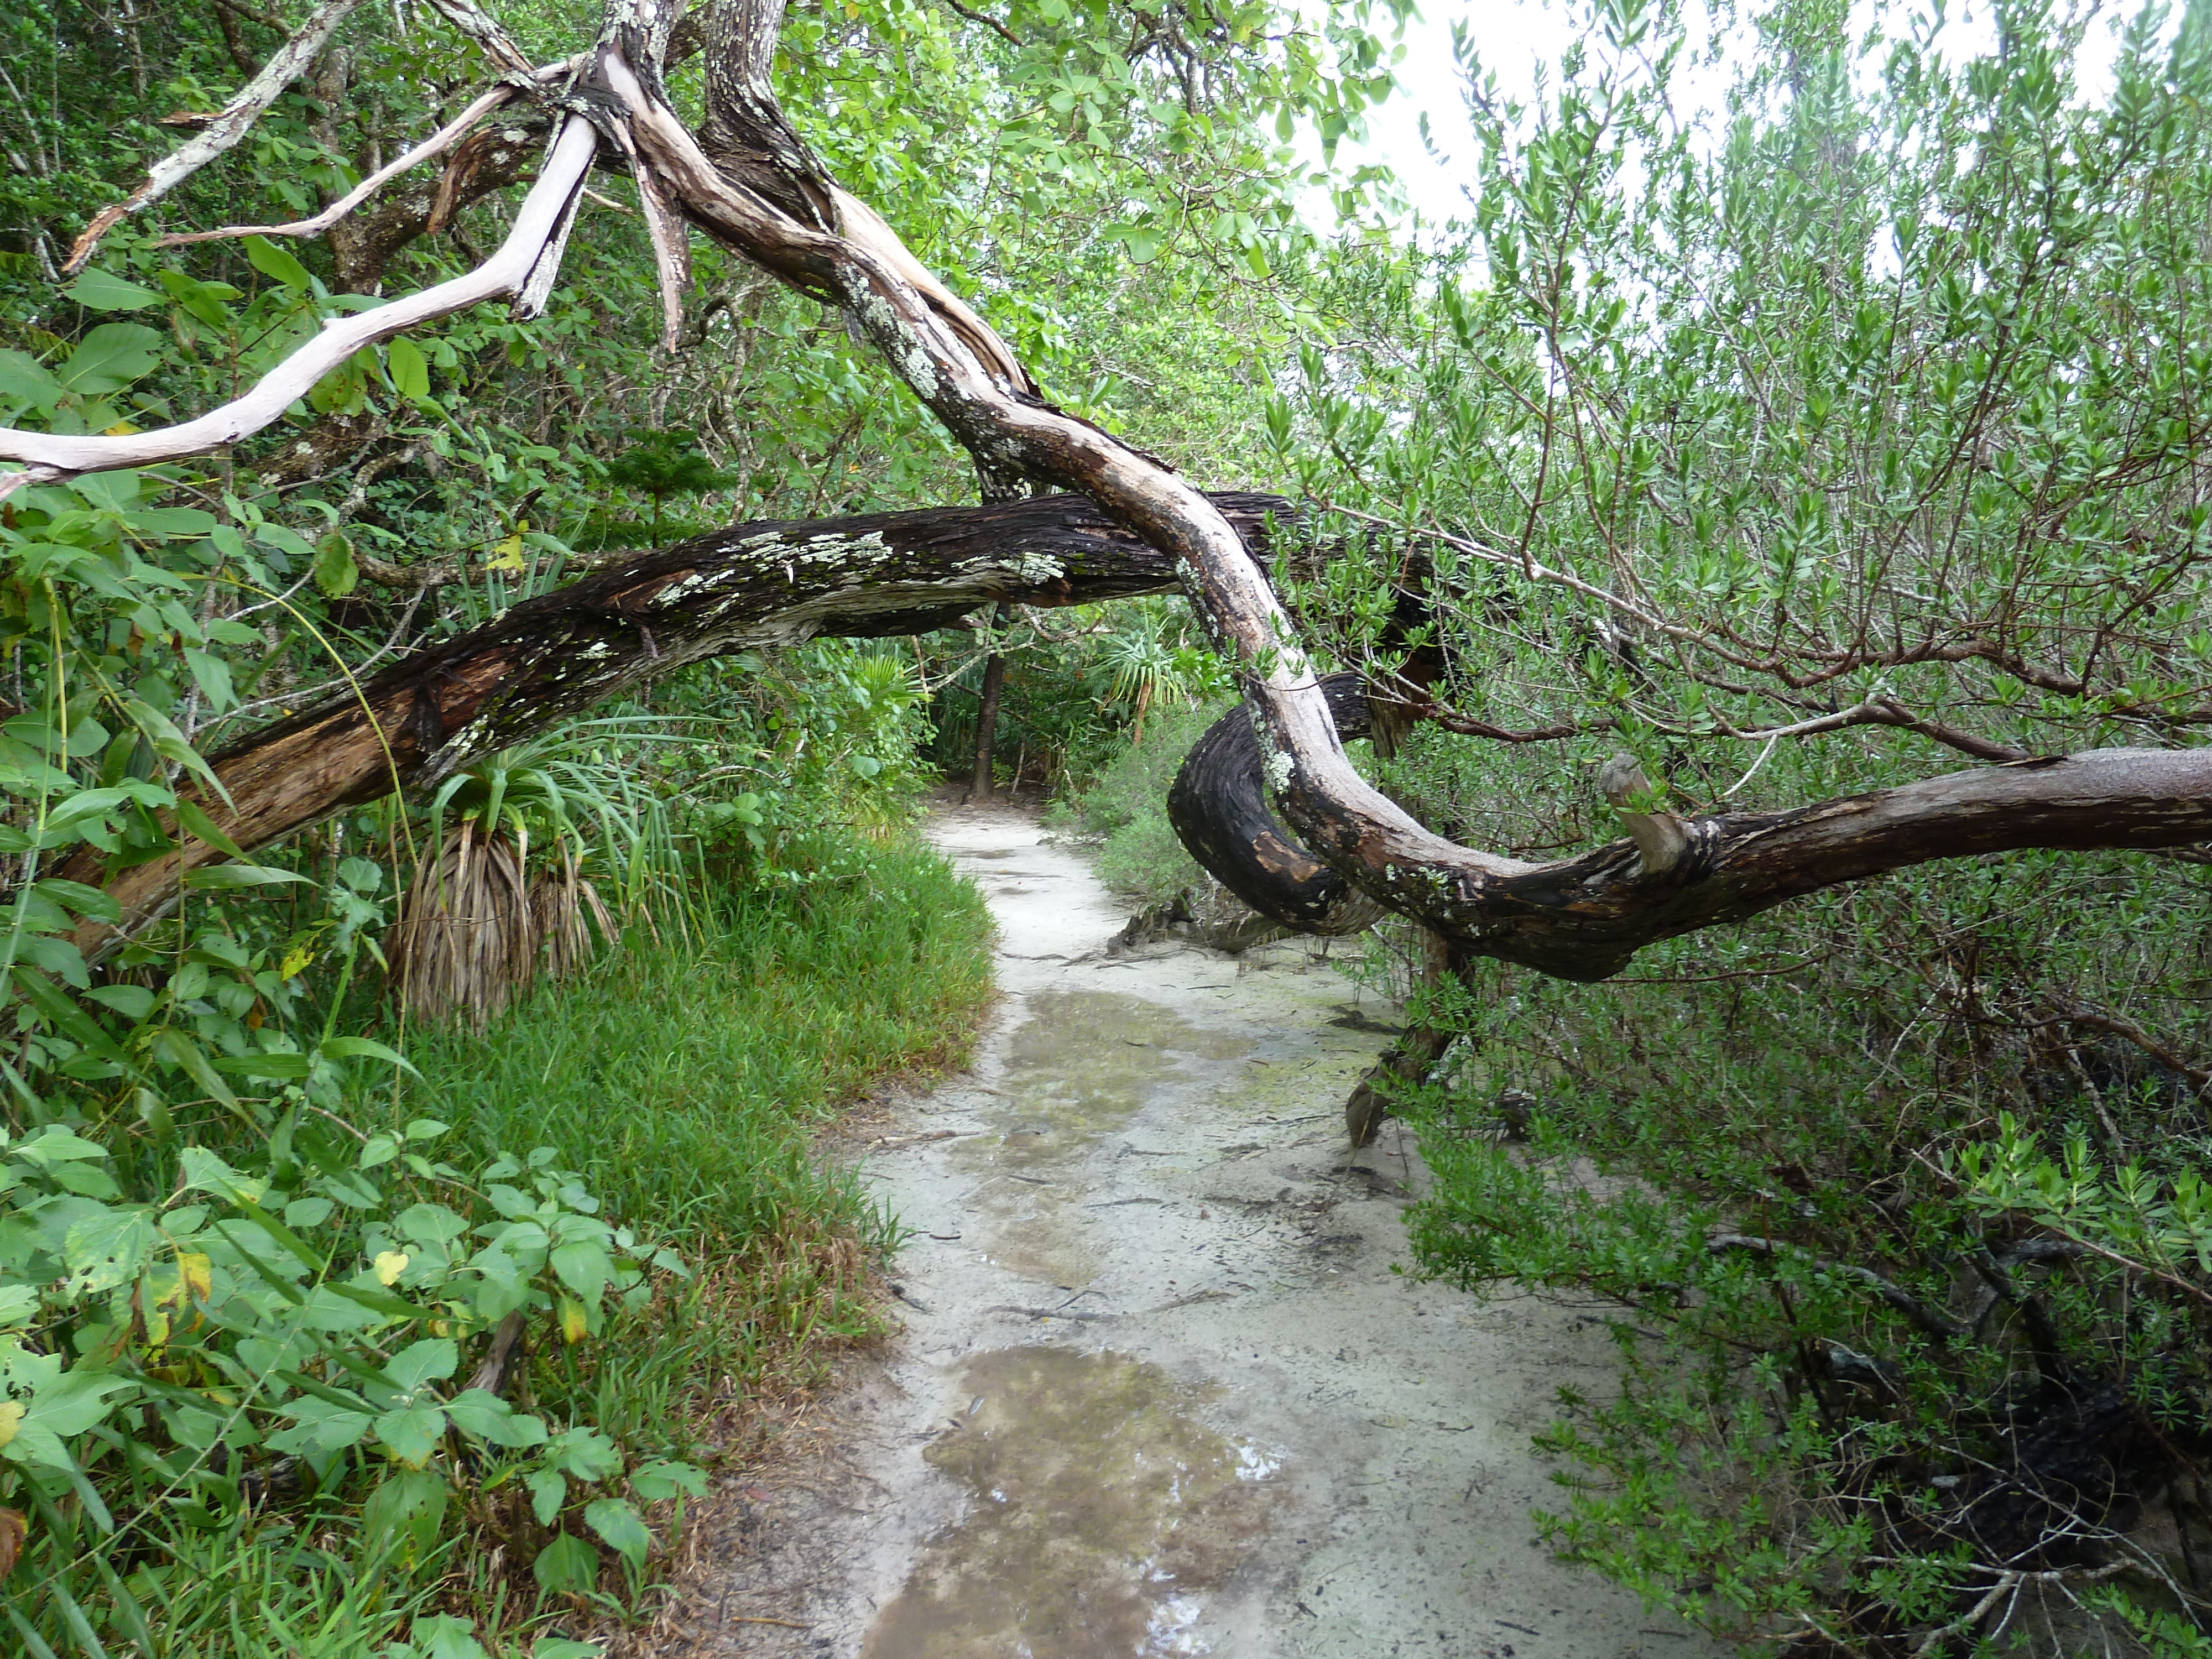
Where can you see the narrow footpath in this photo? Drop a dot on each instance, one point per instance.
(1160, 1390)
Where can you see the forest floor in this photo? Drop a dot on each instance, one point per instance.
(1159, 1390)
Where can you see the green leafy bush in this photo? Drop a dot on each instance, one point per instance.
(167, 1366)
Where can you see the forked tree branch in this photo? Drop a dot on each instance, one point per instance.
(749, 585)
(436, 145)
(539, 225)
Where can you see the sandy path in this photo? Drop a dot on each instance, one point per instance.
(1160, 1392)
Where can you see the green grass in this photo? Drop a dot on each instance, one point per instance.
(682, 1081)
(685, 1082)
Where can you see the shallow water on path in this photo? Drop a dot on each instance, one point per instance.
(1100, 1511)
(1160, 1391)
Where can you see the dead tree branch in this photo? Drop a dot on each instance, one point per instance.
(221, 134)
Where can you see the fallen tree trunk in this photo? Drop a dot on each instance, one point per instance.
(774, 583)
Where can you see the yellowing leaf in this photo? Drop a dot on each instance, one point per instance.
(389, 1264)
(120, 429)
(573, 1325)
(295, 961)
(195, 1276)
(11, 1417)
(508, 556)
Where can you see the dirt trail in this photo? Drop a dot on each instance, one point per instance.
(1160, 1392)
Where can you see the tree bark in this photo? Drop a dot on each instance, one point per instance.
(752, 585)
(986, 717)
(755, 186)
(1407, 1060)
(1584, 917)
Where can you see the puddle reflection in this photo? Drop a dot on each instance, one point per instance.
(1082, 1065)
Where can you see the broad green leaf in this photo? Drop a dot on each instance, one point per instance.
(618, 1523)
(407, 1509)
(567, 1566)
(204, 301)
(654, 1481)
(199, 824)
(353, 1048)
(88, 901)
(272, 261)
(110, 358)
(199, 1170)
(548, 1491)
(24, 379)
(107, 1250)
(133, 1002)
(75, 1401)
(321, 1426)
(266, 1063)
(586, 1454)
(432, 1358)
(229, 878)
(60, 959)
(172, 745)
(55, 1145)
(186, 1052)
(584, 1266)
(413, 1433)
(103, 290)
(445, 1637)
(212, 675)
(485, 1415)
(411, 371)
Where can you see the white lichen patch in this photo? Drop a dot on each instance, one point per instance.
(686, 588)
(1030, 567)
(870, 549)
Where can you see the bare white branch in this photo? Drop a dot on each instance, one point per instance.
(524, 260)
(237, 117)
(436, 144)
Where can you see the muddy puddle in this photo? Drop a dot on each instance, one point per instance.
(1159, 1390)
(1100, 1510)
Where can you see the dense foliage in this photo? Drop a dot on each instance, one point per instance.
(1798, 455)
(1805, 451)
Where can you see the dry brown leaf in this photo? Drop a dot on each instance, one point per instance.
(13, 1529)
